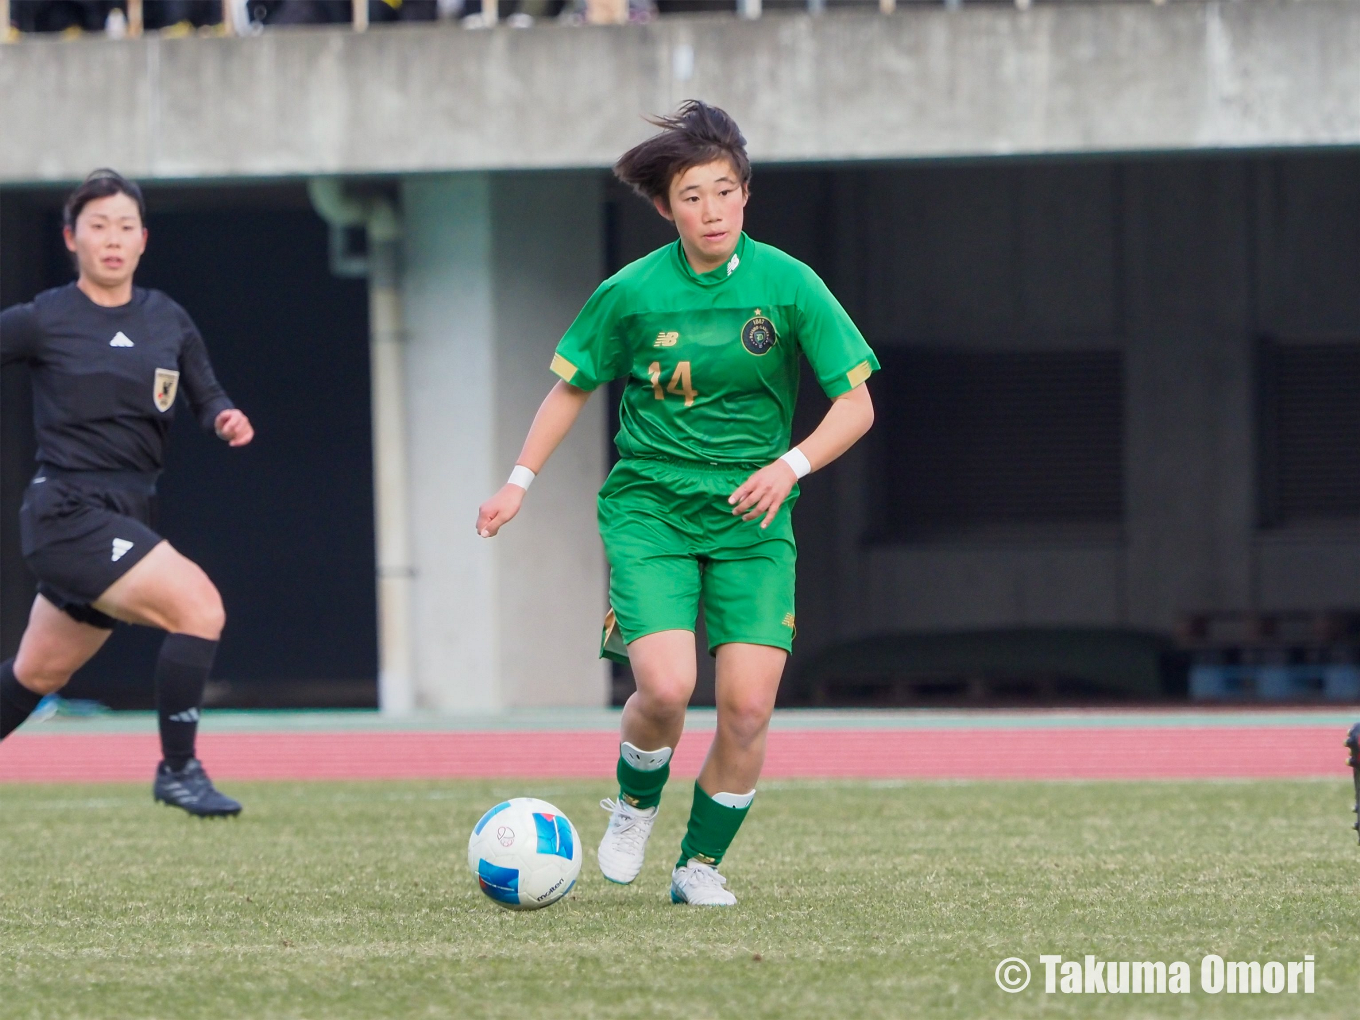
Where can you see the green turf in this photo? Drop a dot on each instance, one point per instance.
(879, 900)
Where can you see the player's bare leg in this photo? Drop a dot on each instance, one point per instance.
(747, 683)
(653, 719)
(666, 671)
(169, 591)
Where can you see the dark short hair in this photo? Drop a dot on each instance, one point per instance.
(101, 184)
(695, 135)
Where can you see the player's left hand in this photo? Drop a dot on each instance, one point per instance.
(233, 426)
(763, 493)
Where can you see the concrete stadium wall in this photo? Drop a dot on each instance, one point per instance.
(922, 83)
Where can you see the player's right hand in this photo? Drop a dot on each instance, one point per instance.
(498, 510)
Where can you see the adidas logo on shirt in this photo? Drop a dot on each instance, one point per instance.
(120, 339)
(120, 548)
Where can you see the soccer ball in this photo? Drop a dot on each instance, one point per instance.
(525, 854)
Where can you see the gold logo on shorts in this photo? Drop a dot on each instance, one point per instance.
(667, 339)
(167, 385)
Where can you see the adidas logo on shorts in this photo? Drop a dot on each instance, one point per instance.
(120, 548)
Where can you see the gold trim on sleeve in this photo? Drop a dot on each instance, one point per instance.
(859, 373)
(563, 369)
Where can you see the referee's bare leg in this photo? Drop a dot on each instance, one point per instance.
(53, 647)
(168, 591)
(171, 591)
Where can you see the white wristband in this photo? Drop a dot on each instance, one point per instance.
(796, 460)
(522, 477)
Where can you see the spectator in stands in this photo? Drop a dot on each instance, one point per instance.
(71, 16)
(179, 17)
(329, 12)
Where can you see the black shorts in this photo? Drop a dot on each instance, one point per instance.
(82, 530)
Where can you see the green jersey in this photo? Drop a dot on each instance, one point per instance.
(711, 359)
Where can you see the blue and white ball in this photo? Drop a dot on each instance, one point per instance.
(525, 854)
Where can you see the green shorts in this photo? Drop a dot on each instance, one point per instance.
(671, 537)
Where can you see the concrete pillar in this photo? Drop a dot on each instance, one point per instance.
(1191, 469)
(496, 267)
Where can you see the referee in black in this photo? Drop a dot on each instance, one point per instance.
(108, 360)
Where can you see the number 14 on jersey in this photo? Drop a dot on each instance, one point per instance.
(681, 384)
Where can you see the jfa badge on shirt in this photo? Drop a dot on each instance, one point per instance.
(167, 385)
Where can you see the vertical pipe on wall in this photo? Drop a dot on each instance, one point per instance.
(391, 495)
(381, 220)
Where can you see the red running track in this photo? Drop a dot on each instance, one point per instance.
(1165, 752)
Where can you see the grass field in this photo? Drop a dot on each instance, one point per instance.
(857, 900)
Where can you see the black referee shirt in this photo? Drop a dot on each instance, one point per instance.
(105, 379)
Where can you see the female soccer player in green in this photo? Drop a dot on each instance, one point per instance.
(707, 332)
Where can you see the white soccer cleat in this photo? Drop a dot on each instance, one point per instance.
(625, 841)
(700, 884)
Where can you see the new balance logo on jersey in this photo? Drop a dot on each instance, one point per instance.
(188, 715)
(121, 340)
(120, 548)
(667, 339)
(732, 266)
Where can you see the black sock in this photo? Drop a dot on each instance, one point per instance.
(17, 702)
(181, 674)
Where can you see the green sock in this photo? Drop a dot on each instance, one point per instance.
(642, 789)
(712, 827)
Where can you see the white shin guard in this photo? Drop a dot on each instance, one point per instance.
(644, 761)
(734, 800)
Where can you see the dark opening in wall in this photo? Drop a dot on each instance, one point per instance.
(974, 442)
(1309, 417)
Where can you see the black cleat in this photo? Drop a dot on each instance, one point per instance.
(1353, 742)
(192, 790)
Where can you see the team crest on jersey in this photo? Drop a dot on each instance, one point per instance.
(167, 385)
(758, 335)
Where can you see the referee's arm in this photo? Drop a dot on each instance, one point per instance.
(206, 395)
(20, 334)
(209, 401)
